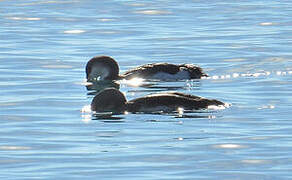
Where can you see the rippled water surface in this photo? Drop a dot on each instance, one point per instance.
(245, 46)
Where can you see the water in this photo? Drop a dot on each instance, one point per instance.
(245, 47)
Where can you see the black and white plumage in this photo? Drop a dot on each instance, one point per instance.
(112, 100)
(106, 68)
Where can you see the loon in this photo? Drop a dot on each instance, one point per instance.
(106, 68)
(112, 100)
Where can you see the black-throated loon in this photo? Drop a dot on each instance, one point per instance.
(106, 68)
(112, 100)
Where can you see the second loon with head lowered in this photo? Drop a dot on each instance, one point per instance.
(112, 100)
(106, 68)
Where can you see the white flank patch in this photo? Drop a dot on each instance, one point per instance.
(219, 107)
(183, 74)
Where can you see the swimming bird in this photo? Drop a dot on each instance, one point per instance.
(106, 68)
(112, 100)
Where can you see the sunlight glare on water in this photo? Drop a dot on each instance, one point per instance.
(135, 82)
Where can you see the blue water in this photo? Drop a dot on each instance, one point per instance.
(245, 47)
